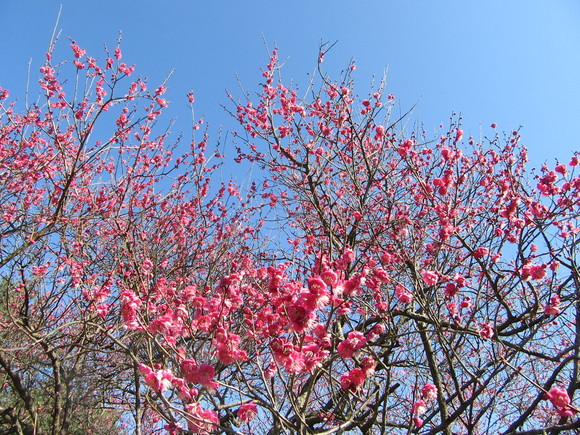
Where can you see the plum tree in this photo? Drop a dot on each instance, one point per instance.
(370, 279)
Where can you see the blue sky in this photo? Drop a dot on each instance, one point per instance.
(516, 62)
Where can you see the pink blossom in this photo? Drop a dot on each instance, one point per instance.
(201, 420)
(405, 147)
(103, 310)
(480, 252)
(247, 412)
(368, 364)
(561, 169)
(460, 280)
(534, 271)
(316, 285)
(429, 392)
(147, 265)
(450, 289)
(329, 277)
(353, 379)
(78, 52)
(199, 374)
(419, 408)
(553, 308)
(466, 303)
(355, 341)
(405, 297)
(430, 277)
(300, 316)
(486, 330)
(559, 397)
(568, 411)
(158, 381)
(227, 345)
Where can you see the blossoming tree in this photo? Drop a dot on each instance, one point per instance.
(373, 281)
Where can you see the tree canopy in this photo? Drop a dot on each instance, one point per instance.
(366, 279)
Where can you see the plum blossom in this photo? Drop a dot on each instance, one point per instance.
(200, 420)
(561, 401)
(466, 303)
(247, 412)
(553, 308)
(486, 330)
(419, 408)
(404, 295)
(430, 277)
(329, 277)
(533, 271)
(451, 289)
(199, 374)
(353, 379)
(301, 314)
(355, 341)
(429, 392)
(368, 364)
(480, 252)
(418, 421)
(559, 397)
(227, 345)
(158, 381)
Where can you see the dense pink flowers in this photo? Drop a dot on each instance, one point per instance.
(395, 248)
(561, 401)
(533, 271)
(480, 252)
(227, 345)
(405, 147)
(78, 52)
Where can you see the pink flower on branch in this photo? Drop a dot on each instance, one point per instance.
(200, 420)
(247, 412)
(199, 374)
(553, 308)
(353, 380)
(429, 392)
(559, 397)
(561, 401)
(355, 341)
(430, 277)
(158, 381)
(404, 295)
(486, 331)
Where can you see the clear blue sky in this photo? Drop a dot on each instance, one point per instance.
(514, 62)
